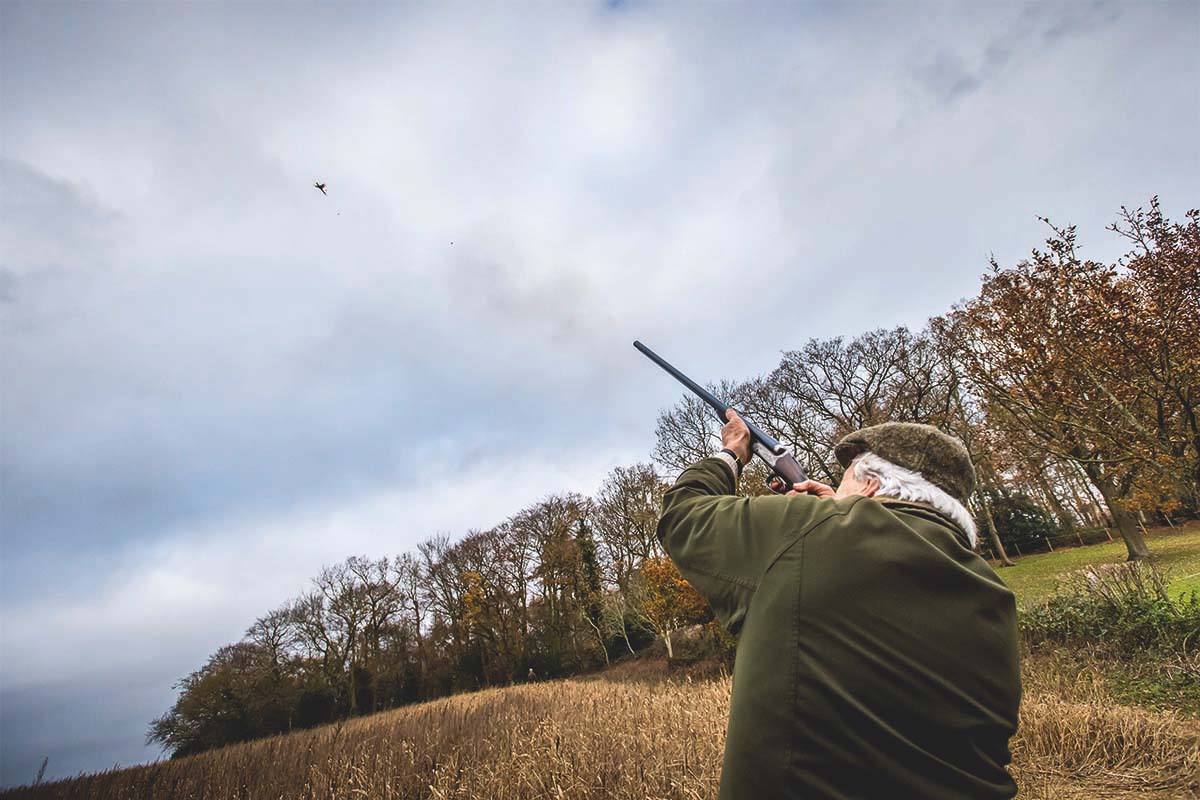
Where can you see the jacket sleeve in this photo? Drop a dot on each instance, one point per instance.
(723, 543)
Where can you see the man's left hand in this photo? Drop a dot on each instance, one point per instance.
(815, 488)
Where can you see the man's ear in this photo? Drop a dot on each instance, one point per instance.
(870, 487)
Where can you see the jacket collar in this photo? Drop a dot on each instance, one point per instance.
(943, 517)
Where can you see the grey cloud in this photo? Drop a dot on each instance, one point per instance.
(1070, 19)
(955, 71)
(46, 224)
(54, 722)
(949, 78)
(8, 286)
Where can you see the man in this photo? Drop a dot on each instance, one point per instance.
(877, 655)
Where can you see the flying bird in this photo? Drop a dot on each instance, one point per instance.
(321, 186)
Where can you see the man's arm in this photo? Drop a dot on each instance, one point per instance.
(723, 543)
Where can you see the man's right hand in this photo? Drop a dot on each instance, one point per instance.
(815, 488)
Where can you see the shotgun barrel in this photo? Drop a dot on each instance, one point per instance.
(785, 469)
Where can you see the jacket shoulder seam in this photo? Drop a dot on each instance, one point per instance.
(734, 579)
(806, 530)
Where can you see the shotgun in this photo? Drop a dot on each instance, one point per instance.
(785, 469)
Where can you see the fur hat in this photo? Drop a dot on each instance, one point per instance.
(941, 459)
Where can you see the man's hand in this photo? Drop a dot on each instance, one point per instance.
(736, 436)
(815, 488)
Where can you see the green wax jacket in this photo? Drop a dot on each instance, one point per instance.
(877, 655)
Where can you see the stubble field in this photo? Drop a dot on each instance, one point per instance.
(631, 734)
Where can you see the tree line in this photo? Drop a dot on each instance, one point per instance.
(563, 585)
(1073, 384)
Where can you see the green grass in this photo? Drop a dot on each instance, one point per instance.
(1176, 549)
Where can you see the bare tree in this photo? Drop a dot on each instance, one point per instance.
(347, 610)
(627, 509)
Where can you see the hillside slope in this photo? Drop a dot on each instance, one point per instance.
(623, 739)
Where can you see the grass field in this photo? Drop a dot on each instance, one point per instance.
(628, 739)
(1175, 549)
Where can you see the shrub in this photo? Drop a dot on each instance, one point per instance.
(1020, 521)
(1123, 609)
(1121, 617)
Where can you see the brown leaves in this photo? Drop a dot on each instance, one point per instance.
(1096, 363)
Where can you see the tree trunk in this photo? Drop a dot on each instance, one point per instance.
(599, 636)
(1065, 520)
(1089, 509)
(997, 545)
(1135, 543)
(1089, 485)
(420, 663)
(667, 641)
(625, 634)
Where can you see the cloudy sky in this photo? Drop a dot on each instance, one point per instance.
(214, 380)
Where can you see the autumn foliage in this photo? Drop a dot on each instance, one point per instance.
(667, 600)
(1096, 366)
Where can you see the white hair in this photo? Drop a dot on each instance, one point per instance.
(904, 484)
